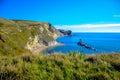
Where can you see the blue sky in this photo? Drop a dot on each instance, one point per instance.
(66, 14)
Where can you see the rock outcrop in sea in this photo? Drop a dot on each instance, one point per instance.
(19, 36)
(65, 32)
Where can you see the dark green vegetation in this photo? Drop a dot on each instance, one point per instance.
(73, 66)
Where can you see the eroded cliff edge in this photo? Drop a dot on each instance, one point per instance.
(19, 36)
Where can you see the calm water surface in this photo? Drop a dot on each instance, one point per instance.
(102, 42)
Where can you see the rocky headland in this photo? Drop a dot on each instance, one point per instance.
(19, 36)
(65, 32)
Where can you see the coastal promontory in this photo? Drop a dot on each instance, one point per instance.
(21, 36)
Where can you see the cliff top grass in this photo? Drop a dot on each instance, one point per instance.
(14, 35)
(72, 66)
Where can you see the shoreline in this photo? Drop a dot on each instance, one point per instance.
(46, 47)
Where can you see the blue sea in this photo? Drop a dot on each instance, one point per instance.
(102, 42)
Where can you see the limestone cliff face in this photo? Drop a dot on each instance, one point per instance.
(17, 36)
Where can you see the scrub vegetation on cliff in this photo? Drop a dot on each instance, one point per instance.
(18, 36)
(72, 66)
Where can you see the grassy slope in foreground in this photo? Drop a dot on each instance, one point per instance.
(73, 66)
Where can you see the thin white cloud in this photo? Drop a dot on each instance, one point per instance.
(118, 16)
(91, 27)
(88, 26)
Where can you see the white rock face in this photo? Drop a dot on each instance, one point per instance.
(33, 44)
(52, 43)
(41, 29)
(45, 38)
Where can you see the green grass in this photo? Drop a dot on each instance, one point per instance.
(73, 66)
(17, 63)
(15, 34)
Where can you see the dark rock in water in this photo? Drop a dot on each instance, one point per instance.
(86, 46)
(65, 32)
(81, 44)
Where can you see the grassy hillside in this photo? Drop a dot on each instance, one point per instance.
(17, 40)
(16, 36)
(73, 66)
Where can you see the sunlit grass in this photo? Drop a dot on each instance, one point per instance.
(73, 66)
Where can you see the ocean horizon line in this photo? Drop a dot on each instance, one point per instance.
(95, 32)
